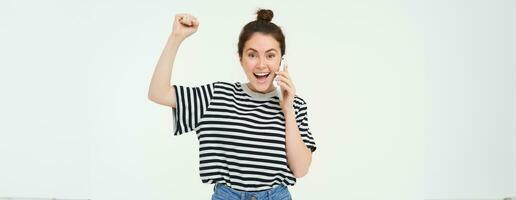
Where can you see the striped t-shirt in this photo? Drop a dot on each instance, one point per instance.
(241, 134)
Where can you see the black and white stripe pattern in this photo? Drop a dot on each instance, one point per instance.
(191, 103)
(241, 138)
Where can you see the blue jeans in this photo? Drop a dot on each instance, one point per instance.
(223, 192)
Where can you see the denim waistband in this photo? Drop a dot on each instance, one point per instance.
(276, 191)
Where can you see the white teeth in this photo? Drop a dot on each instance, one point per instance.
(261, 74)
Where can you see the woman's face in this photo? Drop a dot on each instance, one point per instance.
(260, 59)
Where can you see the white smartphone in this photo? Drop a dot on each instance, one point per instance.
(281, 68)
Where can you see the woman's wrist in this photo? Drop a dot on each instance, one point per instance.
(175, 39)
(289, 111)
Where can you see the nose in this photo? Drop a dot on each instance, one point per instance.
(262, 63)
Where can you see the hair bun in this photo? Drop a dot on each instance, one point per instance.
(264, 14)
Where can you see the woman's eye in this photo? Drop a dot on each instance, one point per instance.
(272, 56)
(251, 55)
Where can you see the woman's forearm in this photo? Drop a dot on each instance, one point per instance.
(299, 156)
(161, 79)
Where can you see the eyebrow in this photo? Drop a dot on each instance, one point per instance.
(265, 51)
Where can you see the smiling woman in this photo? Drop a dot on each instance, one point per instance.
(258, 65)
(251, 53)
(260, 47)
(252, 144)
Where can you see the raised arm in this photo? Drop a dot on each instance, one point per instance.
(160, 89)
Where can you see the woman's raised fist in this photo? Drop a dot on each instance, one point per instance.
(184, 25)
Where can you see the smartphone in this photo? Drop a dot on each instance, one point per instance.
(281, 68)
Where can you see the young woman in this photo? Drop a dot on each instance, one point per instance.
(251, 144)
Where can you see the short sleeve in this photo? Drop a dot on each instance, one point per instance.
(191, 103)
(302, 123)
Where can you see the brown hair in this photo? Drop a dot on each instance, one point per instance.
(262, 24)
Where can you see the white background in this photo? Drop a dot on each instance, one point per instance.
(407, 99)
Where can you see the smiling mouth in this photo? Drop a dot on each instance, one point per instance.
(261, 77)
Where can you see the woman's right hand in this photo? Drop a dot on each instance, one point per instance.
(184, 25)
